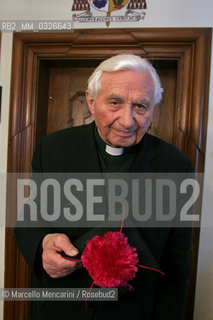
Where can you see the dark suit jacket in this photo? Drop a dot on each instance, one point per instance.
(154, 296)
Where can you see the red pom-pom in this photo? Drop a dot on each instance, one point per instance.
(110, 260)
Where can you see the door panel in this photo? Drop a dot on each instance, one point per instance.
(66, 100)
(163, 122)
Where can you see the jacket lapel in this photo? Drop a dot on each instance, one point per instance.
(145, 157)
(86, 151)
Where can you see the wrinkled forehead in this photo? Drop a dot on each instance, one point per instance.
(142, 77)
(128, 81)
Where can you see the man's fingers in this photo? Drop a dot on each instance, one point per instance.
(56, 266)
(54, 258)
(53, 263)
(62, 242)
(53, 273)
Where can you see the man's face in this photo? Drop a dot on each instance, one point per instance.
(124, 106)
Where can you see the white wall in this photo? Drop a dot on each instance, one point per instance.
(5, 73)
(163, 13)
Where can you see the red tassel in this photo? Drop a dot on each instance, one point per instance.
(110, 260)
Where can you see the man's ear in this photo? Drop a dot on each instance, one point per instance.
(90, 102)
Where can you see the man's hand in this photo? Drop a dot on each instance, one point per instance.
(53, 263)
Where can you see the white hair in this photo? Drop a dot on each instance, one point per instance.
(124, 62)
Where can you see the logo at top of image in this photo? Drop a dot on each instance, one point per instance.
(133, 10)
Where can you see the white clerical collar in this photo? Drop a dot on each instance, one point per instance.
(114, 151)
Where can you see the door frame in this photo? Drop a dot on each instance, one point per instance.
(191, 47)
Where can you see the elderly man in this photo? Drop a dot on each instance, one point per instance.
(121, 95)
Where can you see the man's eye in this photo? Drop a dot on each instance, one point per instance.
(141, 108)
(114, 103)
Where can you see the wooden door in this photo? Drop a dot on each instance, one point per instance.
(67, 105)
(182, 58)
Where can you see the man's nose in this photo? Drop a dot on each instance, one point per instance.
(126, 117)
